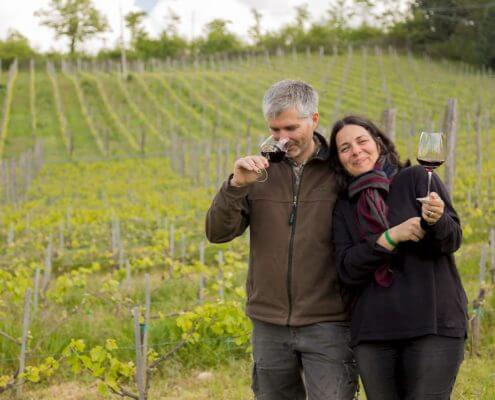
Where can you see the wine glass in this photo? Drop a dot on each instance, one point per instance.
(274, 151)
(431, 154)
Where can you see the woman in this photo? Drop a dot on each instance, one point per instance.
(409, 316)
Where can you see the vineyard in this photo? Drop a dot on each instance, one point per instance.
(108, 288)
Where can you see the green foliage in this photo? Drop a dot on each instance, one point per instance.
(15, 46)
(75, 19)
(163, 47)
(218, 39)
(452, 29)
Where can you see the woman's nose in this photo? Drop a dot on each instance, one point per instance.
(355, 150)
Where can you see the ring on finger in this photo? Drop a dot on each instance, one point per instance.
(430, 214)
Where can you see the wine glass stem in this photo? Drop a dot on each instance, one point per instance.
(429, 183)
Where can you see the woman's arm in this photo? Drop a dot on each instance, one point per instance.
(443, 232)
(356, 262)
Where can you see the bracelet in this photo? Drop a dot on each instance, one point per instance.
(389, 239)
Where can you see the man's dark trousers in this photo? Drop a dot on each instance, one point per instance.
(311, 362)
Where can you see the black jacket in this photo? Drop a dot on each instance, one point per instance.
(426, 296)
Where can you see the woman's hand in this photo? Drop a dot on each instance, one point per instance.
(408, 230)
(432, 209)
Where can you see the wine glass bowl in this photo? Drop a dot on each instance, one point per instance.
(431, 154)
(274, 151)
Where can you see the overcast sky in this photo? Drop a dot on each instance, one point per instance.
(194, 14)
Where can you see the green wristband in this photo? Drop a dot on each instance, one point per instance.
(389, 239)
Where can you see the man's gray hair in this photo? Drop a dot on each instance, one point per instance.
(288, 94)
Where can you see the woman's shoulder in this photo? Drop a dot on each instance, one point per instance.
(410, 172)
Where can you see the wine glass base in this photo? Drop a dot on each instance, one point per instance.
(262, 176)
(422, 199)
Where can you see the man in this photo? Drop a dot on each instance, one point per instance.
(300, 331)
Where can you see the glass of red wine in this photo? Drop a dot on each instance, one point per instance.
(274, 151)
(431, 154)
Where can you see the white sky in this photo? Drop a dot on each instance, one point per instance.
(194, 14)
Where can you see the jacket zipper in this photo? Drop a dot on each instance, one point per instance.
(292, 223)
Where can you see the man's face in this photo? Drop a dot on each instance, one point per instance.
(299, 130)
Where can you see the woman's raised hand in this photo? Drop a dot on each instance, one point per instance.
(432, 209)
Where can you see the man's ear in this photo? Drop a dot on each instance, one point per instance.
(315, 118)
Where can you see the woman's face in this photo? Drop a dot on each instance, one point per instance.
(357, 150)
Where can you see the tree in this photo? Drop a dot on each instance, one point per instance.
(133, 21)
(255, 30)
(75, 19)
(15, 46)
(218, 38)
(173, 20)
(302, 16)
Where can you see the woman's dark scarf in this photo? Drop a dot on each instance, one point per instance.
(371, 210)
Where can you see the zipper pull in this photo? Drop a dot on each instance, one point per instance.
(293, 211)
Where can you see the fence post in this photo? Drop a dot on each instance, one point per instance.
(477, 124)
(201, 288)
(139, 355)
(450, 129)
(36, 290)
(492, 255)
(25, 331)
(220, 275)
(389, 122)
(48, 265)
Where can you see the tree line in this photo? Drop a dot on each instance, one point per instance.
(453, 29)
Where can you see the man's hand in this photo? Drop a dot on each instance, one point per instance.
(248, 169)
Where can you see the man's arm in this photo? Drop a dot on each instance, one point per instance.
(228, 215)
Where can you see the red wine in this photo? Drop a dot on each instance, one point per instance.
(430, 164)
(274, 156)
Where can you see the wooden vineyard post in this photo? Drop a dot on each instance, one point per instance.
(61, 236)
(10, 235)
(144, 333)
(450, 129)
(478, 306)
(139, 355)
(389, 118)
(220, 275)
(70, 137)
(141, 342)
(201, 288)
(492, 255)
(479, 161)
(207, 165)
(25, 331)
(48, 265)
(36, 290)
(171, 248)
(183, 248)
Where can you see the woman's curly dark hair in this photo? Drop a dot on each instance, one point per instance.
(385, 145)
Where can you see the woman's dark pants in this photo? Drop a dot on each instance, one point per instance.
(422, 368)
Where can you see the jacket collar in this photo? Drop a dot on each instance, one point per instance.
(324, 151)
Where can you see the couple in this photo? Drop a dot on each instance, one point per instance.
(348, 272)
